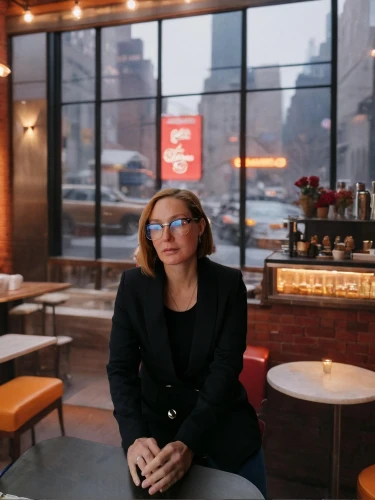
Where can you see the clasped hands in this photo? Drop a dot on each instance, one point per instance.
(161, 468)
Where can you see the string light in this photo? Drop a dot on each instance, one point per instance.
(77, 11)
(28, 17)
(131, 4)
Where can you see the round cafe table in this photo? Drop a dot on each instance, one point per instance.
(345, 385)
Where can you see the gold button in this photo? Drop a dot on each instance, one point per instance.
(172, 414)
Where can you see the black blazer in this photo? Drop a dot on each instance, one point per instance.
(209, 410)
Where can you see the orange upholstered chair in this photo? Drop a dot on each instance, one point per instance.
(24, 402)
(366, 484)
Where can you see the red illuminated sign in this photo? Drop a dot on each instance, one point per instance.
(181, 148)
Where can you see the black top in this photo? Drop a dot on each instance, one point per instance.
(180, 333)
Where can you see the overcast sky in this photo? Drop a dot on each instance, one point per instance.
(277, 34)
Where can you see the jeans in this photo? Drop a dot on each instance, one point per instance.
(253, 470)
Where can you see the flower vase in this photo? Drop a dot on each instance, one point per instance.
(340, 211)
(322, 212)
(308, 205)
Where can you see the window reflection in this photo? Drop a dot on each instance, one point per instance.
(219, 179)
(128, 168)
(78, 180)
(78, 65)
(129, 61)
(212, 59)
(287, 129)
(356, 93)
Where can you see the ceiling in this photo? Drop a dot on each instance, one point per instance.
(50, 6)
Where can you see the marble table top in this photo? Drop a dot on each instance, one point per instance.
(14, 345)
(345, 385)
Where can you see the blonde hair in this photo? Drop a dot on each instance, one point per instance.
(147, 254)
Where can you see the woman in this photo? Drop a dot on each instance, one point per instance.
(176, 351)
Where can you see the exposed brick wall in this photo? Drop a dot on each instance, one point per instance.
(309, 333)
(5, 182)
(298, 433)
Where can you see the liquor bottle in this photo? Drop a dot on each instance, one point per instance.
(294, 238)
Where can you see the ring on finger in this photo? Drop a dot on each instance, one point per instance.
(138, 458)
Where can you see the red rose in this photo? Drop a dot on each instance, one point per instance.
(326, 198)
(302, 182)
(314, 181)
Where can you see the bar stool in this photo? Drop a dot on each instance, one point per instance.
(63, 341)
(23, 311)
(366, 484)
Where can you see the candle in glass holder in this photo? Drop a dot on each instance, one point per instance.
(327, 365)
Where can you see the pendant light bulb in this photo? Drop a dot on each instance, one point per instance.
(131, 4)
(77, 11)
(28, 17)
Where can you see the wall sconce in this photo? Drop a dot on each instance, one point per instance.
(4, 70)
(31, 127)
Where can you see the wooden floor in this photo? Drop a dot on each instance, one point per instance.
(99, 425)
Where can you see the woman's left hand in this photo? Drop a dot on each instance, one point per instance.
(167, 467)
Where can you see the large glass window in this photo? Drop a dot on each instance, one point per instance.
(78, 66)
(288, 115)
(78, 180)
(356, 92)
(128, 172)
(287, 133)
(210, 58)
(129, 61)
(214, 176)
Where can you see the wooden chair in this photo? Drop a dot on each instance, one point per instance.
(24, 402)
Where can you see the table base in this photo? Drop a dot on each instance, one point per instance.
(336, 442)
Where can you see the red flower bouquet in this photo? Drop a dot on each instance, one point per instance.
(309, 196)
(344, 198)
(326, 198)
(309, 186)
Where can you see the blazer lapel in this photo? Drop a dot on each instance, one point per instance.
(156, 325)
(205, 317)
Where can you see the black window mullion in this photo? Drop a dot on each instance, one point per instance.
(243, 118)
(334, 83)
(98, 142)
(159, 103)
(54, 189)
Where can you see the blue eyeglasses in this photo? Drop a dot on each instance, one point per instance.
(178, 227)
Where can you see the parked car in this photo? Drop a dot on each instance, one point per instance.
(264, 219)
(229, 226)
(119, 213)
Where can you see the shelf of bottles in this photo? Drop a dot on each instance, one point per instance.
(340, 284)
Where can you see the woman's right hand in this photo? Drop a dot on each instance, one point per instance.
(141, 453)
